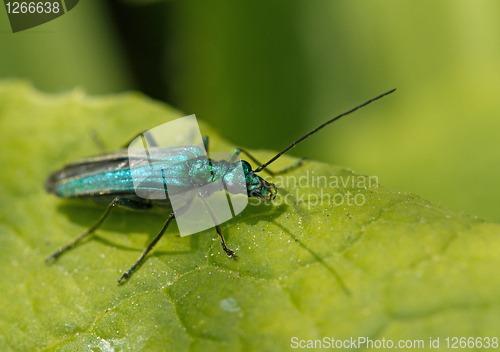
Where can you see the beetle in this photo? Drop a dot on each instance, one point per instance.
(107, 179)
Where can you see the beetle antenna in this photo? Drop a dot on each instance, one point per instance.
(263, 166)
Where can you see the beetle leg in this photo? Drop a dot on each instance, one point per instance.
(116, 202)
(205, 143)
(229, 252)
(98, 141)
(151, 143)
(147, 250)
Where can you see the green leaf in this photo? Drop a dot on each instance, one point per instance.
(395, 267)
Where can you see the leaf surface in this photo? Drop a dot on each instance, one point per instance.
(323, 264)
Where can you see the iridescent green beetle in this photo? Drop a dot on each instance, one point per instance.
(107, 179)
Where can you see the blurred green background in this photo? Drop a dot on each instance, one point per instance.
(265, 72)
